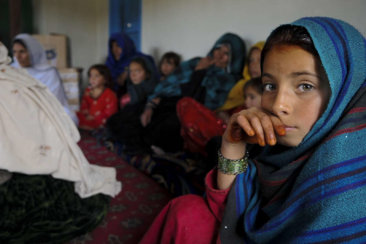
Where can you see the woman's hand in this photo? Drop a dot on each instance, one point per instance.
(145, 117)
(204, 63)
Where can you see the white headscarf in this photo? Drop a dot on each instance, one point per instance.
(4, 59)
(42, 71)
(38, 137)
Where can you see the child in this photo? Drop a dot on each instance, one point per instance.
(124, 127)
(141, 82)
(168, 63)
(99, 102)
(253, 93)
(304, 178)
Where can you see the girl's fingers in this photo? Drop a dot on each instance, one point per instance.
(259, 132)
(278, 126)
(268, 129)
(254, 126)
(245, 125)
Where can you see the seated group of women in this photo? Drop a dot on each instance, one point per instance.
(143, 99)
(154, 113)
(291, 170)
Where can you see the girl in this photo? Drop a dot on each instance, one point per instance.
(124, 127)
(304, 179)
(253, 93)
(168, 63)
(99, 102)
(31, 56)
(141, 82)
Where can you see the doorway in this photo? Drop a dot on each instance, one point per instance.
(125, 16)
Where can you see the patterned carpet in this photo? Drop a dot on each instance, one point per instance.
(133, 210)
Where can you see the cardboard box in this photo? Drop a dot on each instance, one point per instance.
(56, 47)
(71, 80)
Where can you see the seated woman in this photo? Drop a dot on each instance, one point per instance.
(207, 80)
(121, 50)
(304, 178)
(30, 55)
(53, 194)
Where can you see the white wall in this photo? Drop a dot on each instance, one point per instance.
(190, 27)
(85, 22)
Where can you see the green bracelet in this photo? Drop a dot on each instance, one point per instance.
(232, 167)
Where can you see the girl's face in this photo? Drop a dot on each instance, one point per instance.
(252, 98)
(96, 80)
(137, 73)
(22, 55)
(167, 67)
(293, 91)
(221, 56)
(116, 50)
(254, 65)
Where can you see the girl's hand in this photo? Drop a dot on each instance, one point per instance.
(248, 126)
(253, 126)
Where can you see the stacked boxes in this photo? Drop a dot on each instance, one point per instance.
(56, 46)
(71, 80)
(56, 49)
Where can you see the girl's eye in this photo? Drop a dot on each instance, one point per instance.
(306, 87)
(268, 87)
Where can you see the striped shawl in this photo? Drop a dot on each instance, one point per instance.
(315, 192)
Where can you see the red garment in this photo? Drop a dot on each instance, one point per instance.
(190, 218)
(100, 108)
(198, 124)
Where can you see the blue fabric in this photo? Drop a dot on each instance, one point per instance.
(129, 51)
(318, 189)
(217, 81)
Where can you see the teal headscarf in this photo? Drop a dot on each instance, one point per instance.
(315, 192)
(217, 81)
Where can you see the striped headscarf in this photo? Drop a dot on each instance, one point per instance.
(315, 192)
